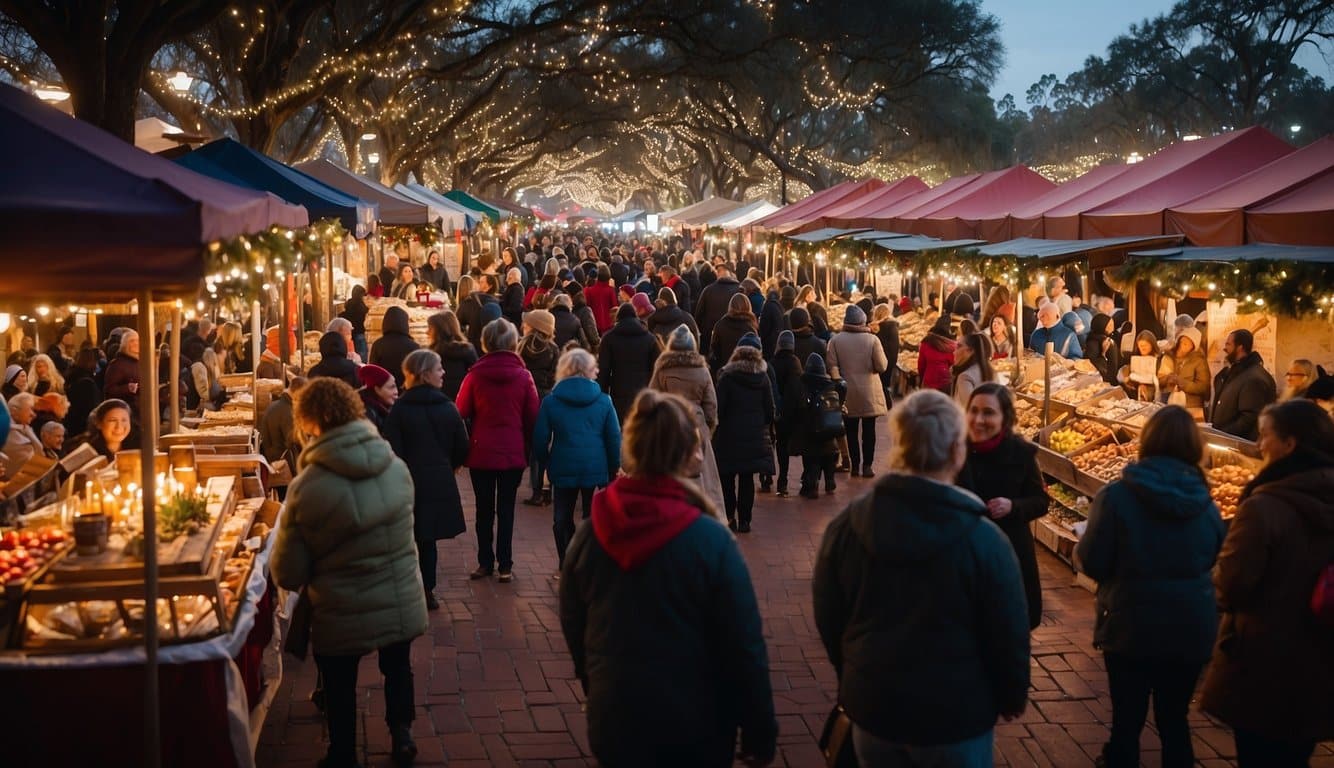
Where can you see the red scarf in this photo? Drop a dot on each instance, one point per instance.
(988, 445)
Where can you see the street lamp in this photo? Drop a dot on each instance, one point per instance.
(51, 93)
(180, 82)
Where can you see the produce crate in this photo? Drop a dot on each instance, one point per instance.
(1055, 538)
(1082, 390)
(1112, 405)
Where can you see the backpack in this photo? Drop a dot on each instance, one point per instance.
(826, 415)
(1322, 597)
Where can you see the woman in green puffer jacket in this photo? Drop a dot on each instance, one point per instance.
(346, 536)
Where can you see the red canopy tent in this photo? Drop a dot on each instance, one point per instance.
(1133, 202)
(1304, 216)
(790, 216)
(1025, 220)
(1218, 218)
(956, 216)
(849, 206)
(883, 216)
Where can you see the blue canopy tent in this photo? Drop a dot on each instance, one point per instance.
(422, 194)
(230, 161)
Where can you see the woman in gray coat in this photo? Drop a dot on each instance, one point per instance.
(855, 355)
(681, 370)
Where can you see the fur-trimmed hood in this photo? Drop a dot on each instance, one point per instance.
(674, 358)
(745, 360)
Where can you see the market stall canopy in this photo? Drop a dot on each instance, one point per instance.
(884, 216)
(236, 163)
(422, 194)
(1025, 220)
(505, 205)
(468, 201)
(840, 213)
(743, 216)
(394, 208)
(88, 216)
(1133, 202)
(1312, 254)
(957, 214)
(629, 216)
(788, 217)
(153, 134)
(1101, 252)
(916, 243)
(821, 235)
(1304, 216)
(701, 212)
(878, 234)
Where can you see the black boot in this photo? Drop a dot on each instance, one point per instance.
(546, 497)
(533, 501)
(766, 483)
(781, 490)
(403, 750)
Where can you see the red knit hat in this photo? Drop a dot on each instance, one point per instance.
(643, 304)
(373, 376)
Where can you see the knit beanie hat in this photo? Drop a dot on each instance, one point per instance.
(854, 315)
(681, 339)
(749, 340)
(12, 372)
(490, 311)
(643, 304)
(372, 376)
(541, 321)
(626, 312)
(815, 364)
(786, 340)
(1191, 333)
(799, 318)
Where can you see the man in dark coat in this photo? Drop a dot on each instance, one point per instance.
(690, 276)
(334, 361)
(389, 272)
(805, 342)
(472, 308)
(771, 323)
(712, 305)
(394, 344)
(625, 360)
(620, 274)
(1242, 389)
(669, 315)
(920, 605)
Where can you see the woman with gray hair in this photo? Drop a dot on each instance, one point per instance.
(499, 398)
(920, 604)
(578, 438)
(21, 443)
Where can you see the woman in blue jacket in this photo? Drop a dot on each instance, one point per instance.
(1151, 543)
(578, 437)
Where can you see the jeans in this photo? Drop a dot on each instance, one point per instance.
(782, 441)
(537, 476)
(863, 454)
(562, 504)
(1171, 683)
(495, 491)
(1258, 751)
(738, 496)
(359, 345)
(339, 678)
(812, 465)
(875, 752)
(427, 557)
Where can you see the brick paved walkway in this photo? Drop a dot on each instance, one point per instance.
(495, 686)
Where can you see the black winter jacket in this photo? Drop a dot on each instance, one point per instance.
(771, 324)
(334, 361)
(1151, 543)
(625, 363)
(1242, 390)
(695, 288)
(712, 307)
(809, 386)
(470, 316)
(888, 333)
(511, 304)
(666, 319)
(539, 357)
(589, 323)
(726, 333)
(389, 350)
(741, 444)
(920, 605)
(1011, 471)
(354, 311)
(787, 370)
(806, 343)
(428, 434)
(671, 652)
(456, 357)
(568, 328)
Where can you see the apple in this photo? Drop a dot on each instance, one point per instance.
(10, 540)
(14, 573)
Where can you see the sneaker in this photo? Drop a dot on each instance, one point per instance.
(505, 576)
(404, 749)
(781, 493)
(432, 604)
(480, 573)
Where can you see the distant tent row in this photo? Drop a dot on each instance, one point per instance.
(1238, 187)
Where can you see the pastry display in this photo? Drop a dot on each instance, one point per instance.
(1079, 394)
(1226, 483)
(1112, 408)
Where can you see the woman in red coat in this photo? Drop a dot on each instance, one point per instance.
(499, 398)
(935, 357)
(601, 298)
